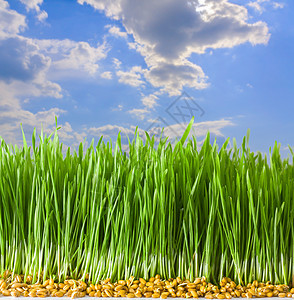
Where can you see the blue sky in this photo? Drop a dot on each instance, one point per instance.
(107, 66)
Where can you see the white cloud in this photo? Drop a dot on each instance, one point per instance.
(278, 5)
(12, 114)
(132, 77)
(23, 75)
(153, 121)
(256, 6)
(24, 66)
(118, 108)
(81, 56)
(27, 68)
(183, 30)
(32, 4)
(261, 5)
(199, 130)
(12, 93)
(113, 7)
(71, 58)
(117, 63)
(11, 22)
(35, 5)
(20, 59)
(106, 75)
(70, 136)
(166, 39)
(139, 113)
(174, 76)
(56, 48)
(109, 130)
(39, 87)
(42, 16)
(24, 69)
(214, 127)
(173, 132)
(149, 100)
(115, 31)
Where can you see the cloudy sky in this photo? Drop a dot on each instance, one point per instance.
(104, 66)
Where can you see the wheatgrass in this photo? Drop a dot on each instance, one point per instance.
(176, 210)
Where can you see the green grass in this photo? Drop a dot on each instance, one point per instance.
(173, 211)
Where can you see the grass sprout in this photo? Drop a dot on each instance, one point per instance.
(168, 210)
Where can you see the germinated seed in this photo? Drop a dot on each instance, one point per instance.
(154, 287)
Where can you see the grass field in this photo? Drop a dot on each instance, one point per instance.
(173, 211)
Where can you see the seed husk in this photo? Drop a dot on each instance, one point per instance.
(98, 294)
(156, 288)
(5, 292)
(75, 295)
(15, 294)
(109, 293)
(58, 294)
(130, 295)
